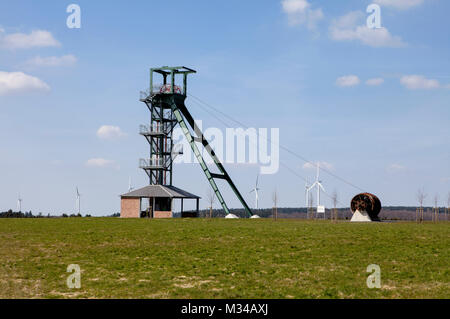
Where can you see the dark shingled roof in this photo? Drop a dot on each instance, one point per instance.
(159, 191)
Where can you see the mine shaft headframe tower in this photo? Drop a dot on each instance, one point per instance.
(167, 109)
(162, 122)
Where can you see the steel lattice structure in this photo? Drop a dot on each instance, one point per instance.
(167, 109)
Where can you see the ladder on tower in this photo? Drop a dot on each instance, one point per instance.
(183, 115)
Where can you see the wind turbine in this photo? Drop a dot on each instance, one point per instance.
(256, 189)
(306, 193)
(19, 204)
(318, 185)
(78, 201)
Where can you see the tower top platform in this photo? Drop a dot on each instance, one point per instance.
(169, 85)
(166, 70)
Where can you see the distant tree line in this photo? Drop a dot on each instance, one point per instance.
(387, 213)
(11, 214)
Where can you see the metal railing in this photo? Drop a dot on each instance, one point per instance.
(177, 149)
(144, 94)
(156, 162)
(160, 89)
(153, 129)
(167, 89)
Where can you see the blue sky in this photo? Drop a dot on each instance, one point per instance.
(301, 66)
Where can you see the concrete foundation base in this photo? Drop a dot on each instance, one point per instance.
(360, 217)
(231, 216)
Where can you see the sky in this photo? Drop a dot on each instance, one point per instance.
(371, 105)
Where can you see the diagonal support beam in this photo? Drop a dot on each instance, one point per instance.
(178, 105)
(199, 157)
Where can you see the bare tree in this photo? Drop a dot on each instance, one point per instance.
(275, 202)
(436, 207)
(421, 196)
(436, 200)
(211, 198)
(334, 198)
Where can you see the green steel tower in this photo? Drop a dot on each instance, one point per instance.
(167, 109)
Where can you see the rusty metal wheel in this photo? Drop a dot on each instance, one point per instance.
(367, 202)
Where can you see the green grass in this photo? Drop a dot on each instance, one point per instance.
(221, 258)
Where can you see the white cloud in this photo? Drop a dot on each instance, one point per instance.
(395, 168)
(314, 16)
(52, 61)
(110, 132)
(349, 20)
(100, 162)
(419, 82)
(347, 81)
(294, 6)
(299, 12)
(375, 81)
(37, 38)
(399, 4)
(325, 165)
(16, 82)
(352, 27)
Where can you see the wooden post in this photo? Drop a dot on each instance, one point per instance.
(182, 207)
(153, 207)
(198, 207)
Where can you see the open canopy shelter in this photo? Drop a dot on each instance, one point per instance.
(160, 202)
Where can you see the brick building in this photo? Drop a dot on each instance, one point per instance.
(160, 199)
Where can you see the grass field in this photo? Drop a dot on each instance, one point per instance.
(222, 258)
